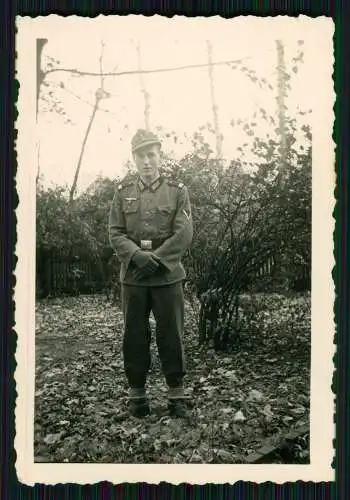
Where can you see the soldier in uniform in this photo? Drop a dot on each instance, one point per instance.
(150, 228)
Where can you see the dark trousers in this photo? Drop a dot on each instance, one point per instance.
(167, 304)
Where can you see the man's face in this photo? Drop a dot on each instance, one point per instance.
(147, 161)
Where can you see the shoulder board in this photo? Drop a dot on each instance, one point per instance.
(180, 185)
(123, 185)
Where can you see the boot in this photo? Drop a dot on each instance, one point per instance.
(139, 407)
(178, 408)
(138, 403)
(177, 402)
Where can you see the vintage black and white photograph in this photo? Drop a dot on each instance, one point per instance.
(176, 267)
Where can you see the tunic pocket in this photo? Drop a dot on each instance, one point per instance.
(165, 215)
(130, 205)
(131, 213)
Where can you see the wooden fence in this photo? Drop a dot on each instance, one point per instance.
(57, 277)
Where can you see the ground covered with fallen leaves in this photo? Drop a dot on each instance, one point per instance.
(241, 400)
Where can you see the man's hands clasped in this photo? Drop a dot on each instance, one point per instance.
(147, 264)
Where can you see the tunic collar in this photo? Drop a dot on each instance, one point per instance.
(152, 187)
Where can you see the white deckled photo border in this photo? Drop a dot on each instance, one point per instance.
(323, 294)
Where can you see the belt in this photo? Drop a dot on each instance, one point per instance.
(149, 244)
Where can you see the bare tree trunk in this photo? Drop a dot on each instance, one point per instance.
(38, 164)
(218, 134)
(40, 43)
(100, 94)
(77, 170)
(281, 71)
(146, 95)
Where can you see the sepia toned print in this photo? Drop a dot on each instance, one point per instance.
(175, 287)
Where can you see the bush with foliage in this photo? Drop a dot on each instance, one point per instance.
(252, 227)
(73, 234)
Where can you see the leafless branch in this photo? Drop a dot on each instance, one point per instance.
(101, 65)
(143, 88)
(145, 71)
(214, 105)
(98, 96)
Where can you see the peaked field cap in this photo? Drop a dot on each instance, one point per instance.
(143, 138)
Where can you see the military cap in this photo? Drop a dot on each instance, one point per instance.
(143, 138)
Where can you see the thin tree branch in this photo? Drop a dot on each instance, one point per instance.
(214, 105)
(143, 88)
(145, 71)
(98, 96)
(101, 66)
(92, 105)
(75, 180)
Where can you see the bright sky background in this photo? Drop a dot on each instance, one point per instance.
(180, 101)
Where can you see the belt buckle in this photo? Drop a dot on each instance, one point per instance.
(146, 244)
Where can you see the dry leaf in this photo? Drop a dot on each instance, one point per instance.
(239, 417)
